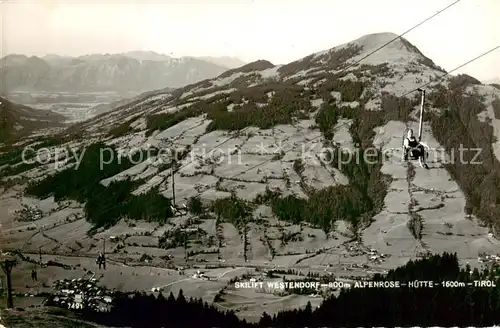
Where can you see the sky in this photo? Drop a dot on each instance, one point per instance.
(280, 31)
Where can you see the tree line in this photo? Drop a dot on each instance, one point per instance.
(104, 205)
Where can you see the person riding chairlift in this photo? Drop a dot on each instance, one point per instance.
(411, 144)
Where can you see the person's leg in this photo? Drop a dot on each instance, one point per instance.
(422, 158)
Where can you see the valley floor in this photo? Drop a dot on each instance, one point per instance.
(429, 199)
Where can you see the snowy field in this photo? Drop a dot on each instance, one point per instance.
(61, 233)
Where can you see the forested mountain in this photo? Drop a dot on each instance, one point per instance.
(133, 71)
(297, 166)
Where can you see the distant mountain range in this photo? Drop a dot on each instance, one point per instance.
(137, 71)
(18, 120)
